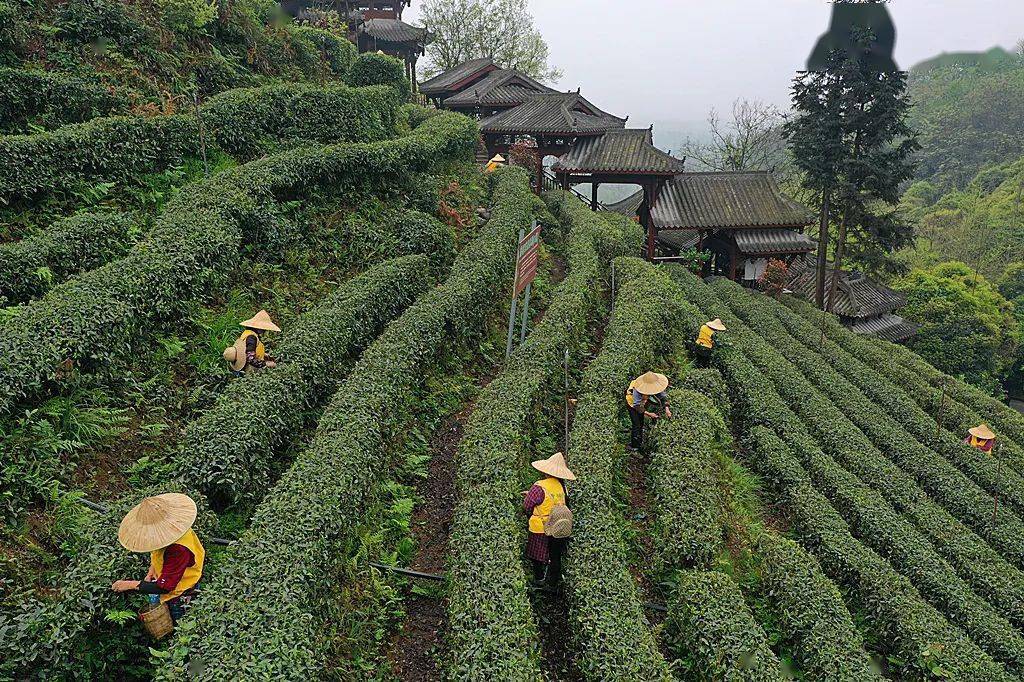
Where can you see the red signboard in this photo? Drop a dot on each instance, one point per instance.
(526, 260)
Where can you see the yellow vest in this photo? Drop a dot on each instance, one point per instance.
(554, 494)
(192, 574)
(491, 167)
(260, 350)
(983, 444)
(704, 338)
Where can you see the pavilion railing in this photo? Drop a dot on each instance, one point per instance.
(550, 182)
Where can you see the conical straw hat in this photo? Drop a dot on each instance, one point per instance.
(554, 466)
(498, 158)
(651, 383)
(261, 320)
(156, 522)
(982, 431)
(717, 325)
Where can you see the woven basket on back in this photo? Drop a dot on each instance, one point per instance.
(559, 524)
(157, 621)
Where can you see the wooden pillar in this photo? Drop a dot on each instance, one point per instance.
(647, 221)
(565, 182)
(540, 169)
(593, 195)
(734, 254)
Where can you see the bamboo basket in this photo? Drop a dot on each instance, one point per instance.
(157, 620)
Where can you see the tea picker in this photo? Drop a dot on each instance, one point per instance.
(550, 522)
(162, 526)
(981, 438)
(248, 352)
(647, 390)
(706, 340)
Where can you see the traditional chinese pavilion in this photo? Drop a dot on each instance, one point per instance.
(864, 306)
(741, 219)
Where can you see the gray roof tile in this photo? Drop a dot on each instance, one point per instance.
(726, 200)
(444, 81)
(771, 241)
(552, 114)
(618, 151)
(394, 31)
(856, 295)
(503, 87)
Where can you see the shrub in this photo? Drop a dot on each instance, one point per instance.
(47, 99)
(369, 240)
(282, 568)
(811, 612)
(227, 452)
(491, 629)
(371, 68)
(711, 627)
(237, 121)
(605, 611)
(83, 242)
(688, 506)
(709, 382)
(337, 51)
(94, 319)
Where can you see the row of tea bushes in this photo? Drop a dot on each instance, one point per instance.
(51, 99)
(282, 568)
(492, 633)
(837, 411)
(240, 122)
(910, 630)
(227, 452)
(981, 468)
(30, 266)
(870, 516)
(253, 415)
(962, 405)
(712, 628)
(94, 319)
(806, 605)
(610, 628)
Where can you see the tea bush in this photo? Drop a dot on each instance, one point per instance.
(492, 634)
(95, 318)
(605, 610)
(30, 266)
(47, 99)
(282, 567)
(371, 68)
(227, 452)
(237, 121)
(711, 626)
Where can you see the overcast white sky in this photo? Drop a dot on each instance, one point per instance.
(672, 60)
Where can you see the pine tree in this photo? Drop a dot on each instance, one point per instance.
(851, 140)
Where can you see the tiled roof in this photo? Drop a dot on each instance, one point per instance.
(618, 151)
(766, 242)
(551, 114)
(856, 295)
(888, 327)
(680, 240)
(630, 206)
(393, 31)
(503, 87)
(724, 200)
(446, 80)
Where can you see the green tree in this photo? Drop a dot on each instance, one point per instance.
(850, 138)
(968, 328)
(500, 29)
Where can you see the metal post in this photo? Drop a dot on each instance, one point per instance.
(941, 410)
(566, 366)
(613, 284)
(202, 136)
(821, 341)
(526, 313)
(999, 476)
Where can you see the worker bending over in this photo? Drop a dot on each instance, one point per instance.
(248, 352)
(644, 392)
(496, 162)
(981, 438)
(706, 340)
(162, 526)
(550, 519)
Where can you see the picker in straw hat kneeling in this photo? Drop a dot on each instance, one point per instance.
(248, 352)
(550, 519)
(981, 438)
(645, 392)
(162, 526)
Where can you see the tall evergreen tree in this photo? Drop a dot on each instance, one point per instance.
(850, 138)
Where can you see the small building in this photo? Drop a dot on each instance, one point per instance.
(456, 79)
(864, 306)
(396, 38)
(498, 90)
(741, 219)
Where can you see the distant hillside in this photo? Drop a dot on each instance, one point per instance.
(969, 109)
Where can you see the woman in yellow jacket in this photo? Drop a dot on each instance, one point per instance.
(162, 526)
(981, 438)
(248, 352)
(706, 340)
(544, 551)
